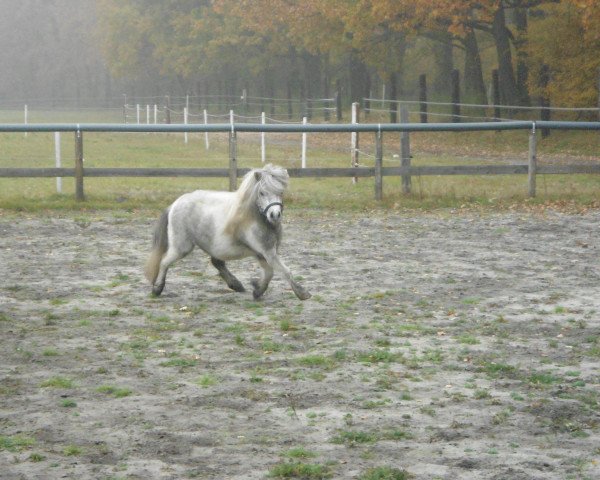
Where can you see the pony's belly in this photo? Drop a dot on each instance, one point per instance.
(230, 251)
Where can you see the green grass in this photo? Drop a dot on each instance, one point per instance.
(58, 382)
(384, 473)
(15, 443)
(116, 392)
(325, 150)
(306, 471)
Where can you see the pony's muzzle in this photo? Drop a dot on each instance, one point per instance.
(274, 214)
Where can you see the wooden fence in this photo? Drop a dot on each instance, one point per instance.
(405, 169)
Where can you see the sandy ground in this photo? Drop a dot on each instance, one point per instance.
(449, 346)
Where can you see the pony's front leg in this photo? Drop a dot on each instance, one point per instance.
(260, 286)
(230, 279)
(273, 259)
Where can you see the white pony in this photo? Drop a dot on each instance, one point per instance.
(227, 226)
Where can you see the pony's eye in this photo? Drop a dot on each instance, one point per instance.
(262, 194)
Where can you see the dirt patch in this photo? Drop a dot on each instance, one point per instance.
(450, 346)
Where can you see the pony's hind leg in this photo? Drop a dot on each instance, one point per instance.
(173, 254)
(230, 279)
(260, 286)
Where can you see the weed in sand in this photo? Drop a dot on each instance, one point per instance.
(206, 381)
(301, 470)
(116, 392)
(58, 382)
(384, 473)
(72, 451)
(352, 437)
(68, 403)
(300, 452)
(378, 356)
(16, 443)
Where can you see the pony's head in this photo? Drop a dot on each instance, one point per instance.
(264, 188)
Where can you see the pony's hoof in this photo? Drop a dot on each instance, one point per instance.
(157, 290)
(237, 287)
(257, 292)
(303, 294)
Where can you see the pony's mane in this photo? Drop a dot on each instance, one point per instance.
(272, 179)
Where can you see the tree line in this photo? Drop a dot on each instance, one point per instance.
(304, 48)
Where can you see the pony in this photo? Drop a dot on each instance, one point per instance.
(227, 226)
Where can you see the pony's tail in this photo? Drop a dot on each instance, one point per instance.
(160, 245)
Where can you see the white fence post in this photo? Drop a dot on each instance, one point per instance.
(304, 144)
(155, 114)
(58, 161)
(263, 153)
(185, 121)
(137, 112)
(206, 133)
(147, 114)
(354, 140)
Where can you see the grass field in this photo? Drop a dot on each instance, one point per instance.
(326, 150)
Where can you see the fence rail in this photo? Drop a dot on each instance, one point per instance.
(233, 172)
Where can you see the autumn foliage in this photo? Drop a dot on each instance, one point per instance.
(311, 44)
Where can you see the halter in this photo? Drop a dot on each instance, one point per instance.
(272, 204)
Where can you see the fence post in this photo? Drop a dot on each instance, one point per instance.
(393, 104)
(455, 96)
(206, 133)
(303, 144)
(532, 168)
(26, 116)
(57, 160)
(79, 195)
(598, 92)
(185, 121)
(354, 138)
(232, 160)
(422, 98)
(378, 166)
(263, 151)
(137, 113)
(167, 109)
(405, 150)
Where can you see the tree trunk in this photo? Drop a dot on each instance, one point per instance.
(520, 15)
(508, 86)
(359, 78)
(442, 52)
(473, 77)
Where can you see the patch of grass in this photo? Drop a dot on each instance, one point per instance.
(15, 443)
(72, 451)
(206, 381)
(116, 392)
(542, 378)
(300, 452)
(305, 471)
(58, 382)
(50, 352)
(316, 361)
(467, 340)
(179, 362)
(351, 437)
(384, 473)
(378, 356)
(68, 403)
(36, 457)
(496, 370)
(4, 317)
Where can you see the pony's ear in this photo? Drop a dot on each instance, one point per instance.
(257, 175)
